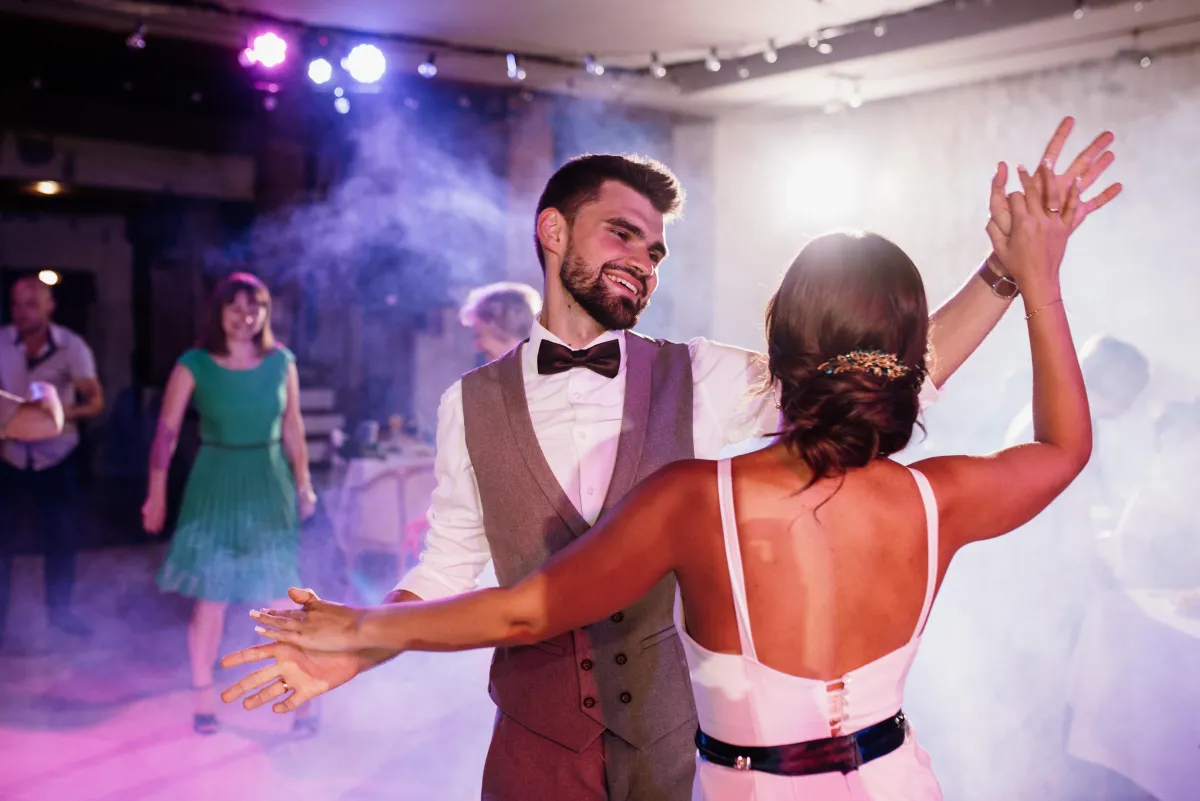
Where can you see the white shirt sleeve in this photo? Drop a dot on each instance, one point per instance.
(80, 360)
(456, 547)
(733, 396)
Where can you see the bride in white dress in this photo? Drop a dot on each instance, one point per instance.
(806, 570)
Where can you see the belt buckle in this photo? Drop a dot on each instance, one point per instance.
(741, 763)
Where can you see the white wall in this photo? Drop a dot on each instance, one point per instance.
(917, 169)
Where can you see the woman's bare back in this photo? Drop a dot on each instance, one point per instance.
(828, 589)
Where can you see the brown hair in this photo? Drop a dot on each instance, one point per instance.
(847, 292)
(213, 337)
(579, 180)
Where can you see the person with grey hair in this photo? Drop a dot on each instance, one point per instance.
(501, 315)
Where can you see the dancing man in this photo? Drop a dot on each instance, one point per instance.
(534, 447)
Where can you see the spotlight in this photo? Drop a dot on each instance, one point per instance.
(880, 28)
(515, 72)
(593, 66)
(365, 63)
(711, 62)
(267, 49)
(770, 55)
(428, 69)
(339, 92)
(47, 187)
(1080, 8)
(342, 105)
(825, 48)
(320, 71)
(270, 102)
(743, 71)
(49, 277)
(1146, 61)
(137, 39)
(656, 67)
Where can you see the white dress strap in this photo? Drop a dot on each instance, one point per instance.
(931, 529)
(733, 557)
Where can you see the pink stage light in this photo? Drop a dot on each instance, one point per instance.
(267, 49)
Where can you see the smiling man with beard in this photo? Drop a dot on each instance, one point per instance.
(534, 447)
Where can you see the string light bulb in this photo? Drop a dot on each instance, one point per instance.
(515, 71)
(428, 68)
(593, 66)
(656, 67)
(770, 55)
(712, 62)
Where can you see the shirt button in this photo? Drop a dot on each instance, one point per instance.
(589, 702)
(626, 698)
(586, 664)
(618, 617)
(621, 659)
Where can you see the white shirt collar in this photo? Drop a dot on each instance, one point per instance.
(539, 333)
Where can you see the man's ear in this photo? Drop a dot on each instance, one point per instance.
(552, 233)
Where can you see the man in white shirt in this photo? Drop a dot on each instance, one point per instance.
(572, 404)
(43, 474)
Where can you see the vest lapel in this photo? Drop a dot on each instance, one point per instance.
(516, 405)
(634, 415)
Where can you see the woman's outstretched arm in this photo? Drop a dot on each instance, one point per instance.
(612, 566)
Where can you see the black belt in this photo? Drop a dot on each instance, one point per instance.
(246, 447)
(843, 754)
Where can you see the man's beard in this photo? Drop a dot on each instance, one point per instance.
(592, 293)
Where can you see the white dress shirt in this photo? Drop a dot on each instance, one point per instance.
(577, 419)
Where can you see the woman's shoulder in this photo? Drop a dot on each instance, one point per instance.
(194, 359)
(282, 353)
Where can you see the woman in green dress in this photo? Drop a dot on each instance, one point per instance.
(237, 538)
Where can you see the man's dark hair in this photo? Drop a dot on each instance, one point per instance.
(579, 180)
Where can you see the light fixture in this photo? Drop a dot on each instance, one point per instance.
(880, 28)
(137, 39)
(813, 41)
(365, 63)
(266, 50)
(47, 187)
(656, 67)
(515, 71)
(270, 102)
(770, 55)
(428, 68)
(320, 71)
(593, 66)
(743, 71)
(711, 62)
(49, 277)
(825, 48)
(1146, 61)
(342, 104)
(1080, 8)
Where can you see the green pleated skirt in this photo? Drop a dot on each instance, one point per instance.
(237, 539)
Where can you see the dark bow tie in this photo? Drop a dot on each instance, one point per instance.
(604, 359)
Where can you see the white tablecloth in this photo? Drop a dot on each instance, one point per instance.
(379, 497)
(1136, 692)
